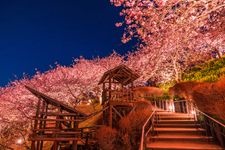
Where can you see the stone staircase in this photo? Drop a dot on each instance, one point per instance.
(177, 131)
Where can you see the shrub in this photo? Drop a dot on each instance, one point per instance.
(210, 98)
(142, 92)
(131, 125)
(183, 89)
(107, 137)
(128, 135)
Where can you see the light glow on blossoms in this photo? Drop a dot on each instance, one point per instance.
(20, 141)
(174, 34)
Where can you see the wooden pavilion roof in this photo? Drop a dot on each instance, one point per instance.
(121, 73)
(54, 102)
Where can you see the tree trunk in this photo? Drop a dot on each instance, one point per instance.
(218, 53)
(176, 70)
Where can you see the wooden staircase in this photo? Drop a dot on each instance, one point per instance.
(178, 131)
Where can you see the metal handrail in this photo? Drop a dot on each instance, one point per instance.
(223, 125)
(197, 110)
(143, 130)
(189, 108)
(208, 123)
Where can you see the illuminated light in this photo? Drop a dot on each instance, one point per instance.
(100, 99)
(193, 112)
(171, 107)
(19, 141)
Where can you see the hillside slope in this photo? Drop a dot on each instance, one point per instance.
(209, 71)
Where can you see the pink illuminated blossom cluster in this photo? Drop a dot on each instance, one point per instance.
(174, 34)
(71, 85)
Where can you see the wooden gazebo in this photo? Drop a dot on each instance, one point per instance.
(56, 122)
(117, 92)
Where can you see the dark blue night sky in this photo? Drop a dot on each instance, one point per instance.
(38, 33)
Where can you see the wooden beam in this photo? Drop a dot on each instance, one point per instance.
(61, 114)
(74, 120)
(117, 112)
(54, 139)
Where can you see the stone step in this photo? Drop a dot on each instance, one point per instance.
(173, 131)
(181, 145)
(184, 137)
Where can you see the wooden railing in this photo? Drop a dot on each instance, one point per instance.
(122, 95)
(163, 104)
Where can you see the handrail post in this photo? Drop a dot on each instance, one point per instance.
(155, 103)
(143, 134)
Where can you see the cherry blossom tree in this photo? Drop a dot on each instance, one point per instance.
(67, 84)
(180, 32)
(174, 35)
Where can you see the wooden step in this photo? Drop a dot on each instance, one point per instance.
(179, 129)
(172, 131)
(184, 137)
(175, 121)
(176, 118)
(169, 113)
(181, 145)
(172, 125)
(173, 114)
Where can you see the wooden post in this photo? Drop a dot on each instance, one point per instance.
(110, 107)
(38, 145)
(86, 140)
(132, 91)
(37, 114)
(55, 146)
(75, 145)
(110, 115)
(103, 93)
(43, 122)
(35, 145)
(110, 86)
